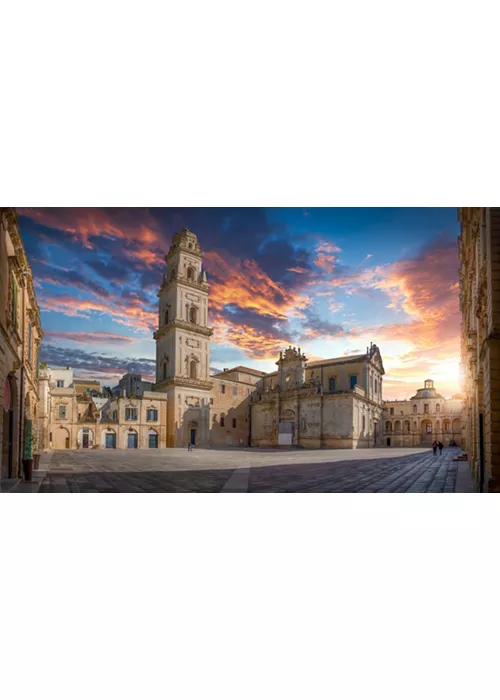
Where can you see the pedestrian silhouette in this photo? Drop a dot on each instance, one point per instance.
(434, 447)
(440, 445)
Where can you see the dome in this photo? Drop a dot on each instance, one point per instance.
(427, 392)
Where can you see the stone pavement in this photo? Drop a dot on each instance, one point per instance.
(399, 470)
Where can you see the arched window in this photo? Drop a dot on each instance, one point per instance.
(192, 369)
(388, 427)
(397, 426)
(438, 408)
(192, 315)
(190, 274)
(426, 408)
(165, 369)
(414, 408)
(166, 316)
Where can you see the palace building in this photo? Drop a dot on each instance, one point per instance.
(425, 417)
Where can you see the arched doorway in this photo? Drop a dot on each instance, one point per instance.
(426, 431)
(286, 428)
(132, 440)
(60, 438)
(192, 432)
(110, 439)
(8, 429)
(85, 438)
(152, 438)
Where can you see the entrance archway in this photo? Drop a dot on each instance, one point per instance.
(132, 440)
(9, 403)
(426, 431)
(152, 438)
(86, 438)
(60, 438)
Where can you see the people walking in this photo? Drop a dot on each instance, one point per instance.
(190, 447)
(440, 445)
(434, 447)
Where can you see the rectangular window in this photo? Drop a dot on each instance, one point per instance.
(354, 380)
(426, 408)
(391, 411)
(332, 383)
(234, 422)
(364, 422)
(235, 391)
(130, 414)
(152, 414)
(62, 412)
(222, 421)
(211, 402)
(60, 383)
(223, 388)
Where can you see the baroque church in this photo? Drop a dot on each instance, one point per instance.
(331, 403)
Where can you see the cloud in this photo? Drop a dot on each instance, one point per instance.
(91, 337)
(104, 367)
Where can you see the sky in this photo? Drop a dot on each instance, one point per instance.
(330, 280)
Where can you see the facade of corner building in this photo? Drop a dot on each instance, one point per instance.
(479, 249)
(424, 418)
(20, 337)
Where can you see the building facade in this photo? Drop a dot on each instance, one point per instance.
(479, 245)
(425, 417)
(75, 419)
(20, 337)
(334, 403)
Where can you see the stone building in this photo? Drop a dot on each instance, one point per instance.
(132, 383)
(334, 403)
(76, 419)
(20, 337)
(425, 417)
(479, 245)
(131, 423)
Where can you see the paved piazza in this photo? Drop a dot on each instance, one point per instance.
(396, 470)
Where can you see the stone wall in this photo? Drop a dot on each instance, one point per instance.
(479, 246)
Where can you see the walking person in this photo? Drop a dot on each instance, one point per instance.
(189, 446)
(440, 445)
(434, 447)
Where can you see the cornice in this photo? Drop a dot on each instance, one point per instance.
(185, 326)
(198, 286)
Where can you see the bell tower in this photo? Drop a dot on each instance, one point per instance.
(183, 342)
